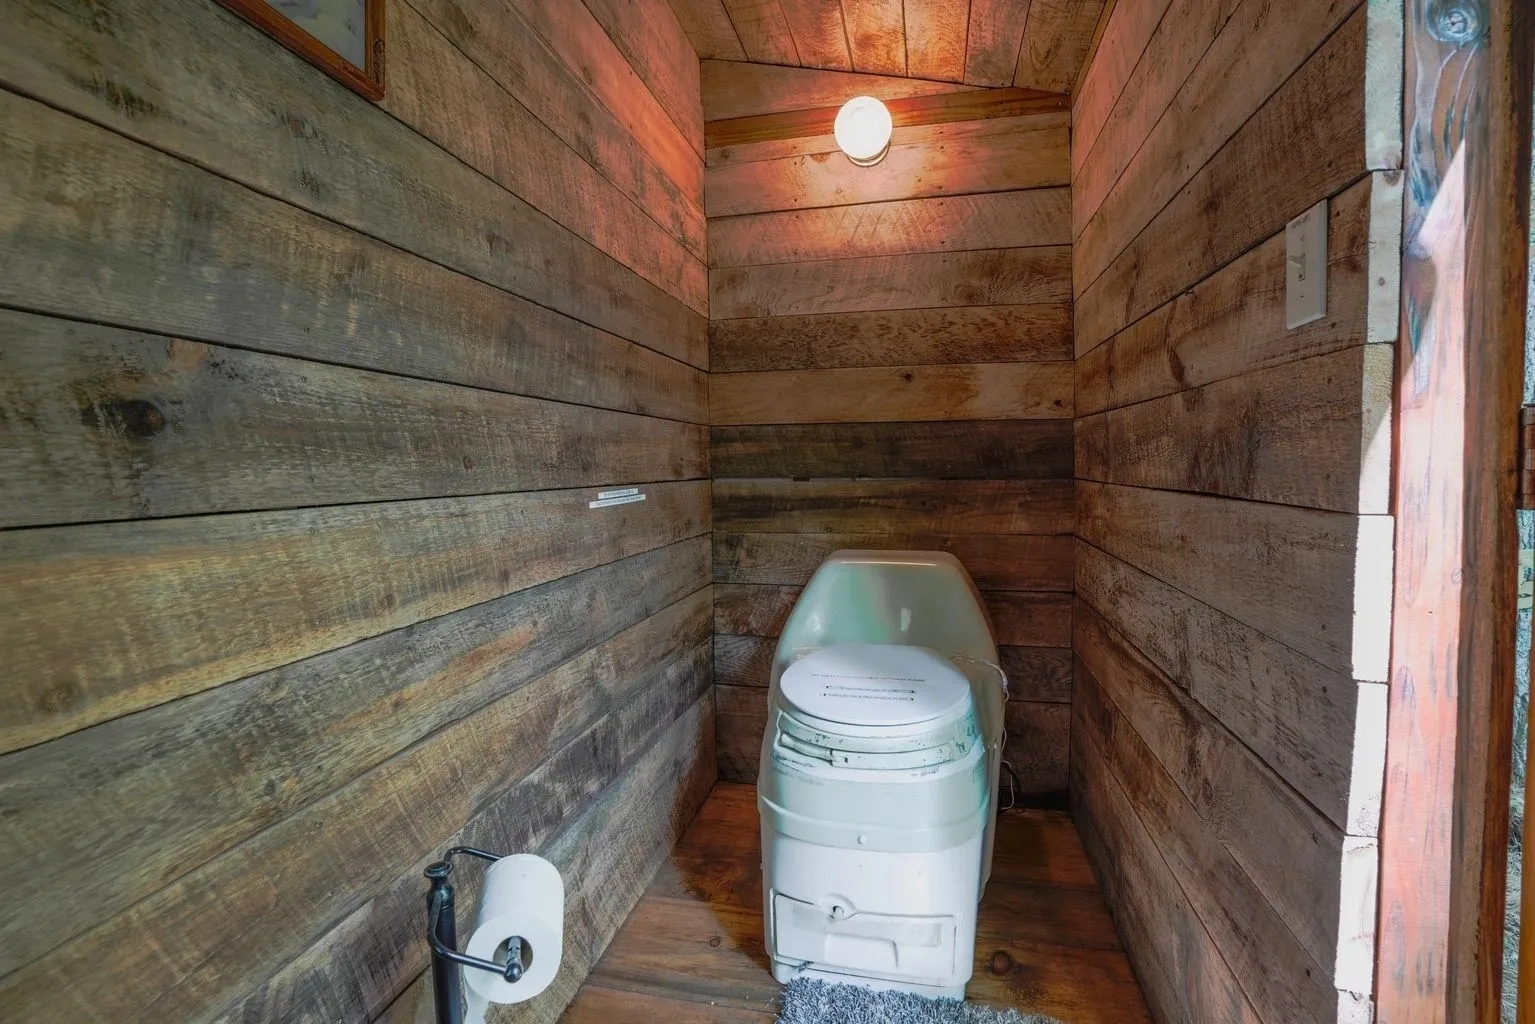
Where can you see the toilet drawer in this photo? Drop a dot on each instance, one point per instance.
(911, 946)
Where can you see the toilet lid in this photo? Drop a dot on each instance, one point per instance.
(875, 685)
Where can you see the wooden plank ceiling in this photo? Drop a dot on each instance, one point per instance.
(1035, 44)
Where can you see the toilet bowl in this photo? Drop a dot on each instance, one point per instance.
(878, 781)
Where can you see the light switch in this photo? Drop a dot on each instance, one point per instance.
(1306, 267)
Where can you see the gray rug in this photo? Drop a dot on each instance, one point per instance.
(807, 1001)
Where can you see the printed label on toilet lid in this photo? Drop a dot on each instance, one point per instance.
(875, 684)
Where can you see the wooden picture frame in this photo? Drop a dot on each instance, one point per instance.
(366, 78)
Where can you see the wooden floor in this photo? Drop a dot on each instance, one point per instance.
(692, 950)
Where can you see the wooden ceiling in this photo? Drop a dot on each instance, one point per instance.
(1036, 44)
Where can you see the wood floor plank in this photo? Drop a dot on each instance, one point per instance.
(947, 334)
(97, 634)
(692, 949)
(264, 747)
(952, 450)
(108, 424)
(899, 227)
(972, 391)
(996, 563)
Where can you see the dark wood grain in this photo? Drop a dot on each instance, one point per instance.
(180, 783)
(976, 507)
(996, 563)
(954, 450)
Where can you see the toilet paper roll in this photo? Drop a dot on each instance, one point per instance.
(523, 896)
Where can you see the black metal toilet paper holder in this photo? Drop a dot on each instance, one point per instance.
(442, 936)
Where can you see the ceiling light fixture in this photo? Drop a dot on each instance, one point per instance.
(863, 130)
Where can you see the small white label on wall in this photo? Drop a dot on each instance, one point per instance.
(627, 496)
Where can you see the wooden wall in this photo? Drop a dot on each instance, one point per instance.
(302, 400)
(1233, 569)
(890, 352)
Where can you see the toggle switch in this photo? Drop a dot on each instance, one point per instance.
(1306, 267)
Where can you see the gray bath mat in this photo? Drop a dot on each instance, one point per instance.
(806, 1001)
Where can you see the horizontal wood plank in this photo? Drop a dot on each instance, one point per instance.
(654, 44)
(1296, 861)
(108, 424)
(995, 160)
(995, 563)
(1119, 54)
(1319, 730)
(893, 506)
(752, 609)
(437, 90)
(972, 391)
(1281, 978)
(940, 224)
(605, 841)
(582, 46)
(952, 450)
(1315, 433)
(1315, 581)
(939, 134)
(987, 277)
(978, 105)
(1181, 969)
(178, 784)
(1264, 176)
(98, 634)
(742, 717)
(738, 89)
(347, 298)
(1181, 36)
(595, 714)
(500, 39)
(945, 334)
(1211, 106)
(355, 165)
(1038, 750)
(1233, 322)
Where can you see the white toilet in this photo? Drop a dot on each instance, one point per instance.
(878, 782)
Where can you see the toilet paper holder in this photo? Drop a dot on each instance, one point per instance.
(442, 936)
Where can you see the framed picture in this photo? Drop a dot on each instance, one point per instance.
(343, 37)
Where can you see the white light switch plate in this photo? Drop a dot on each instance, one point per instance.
(1306, 267)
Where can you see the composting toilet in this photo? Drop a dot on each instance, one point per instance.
(878, 781)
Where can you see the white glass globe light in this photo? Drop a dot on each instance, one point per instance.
(862, 130)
